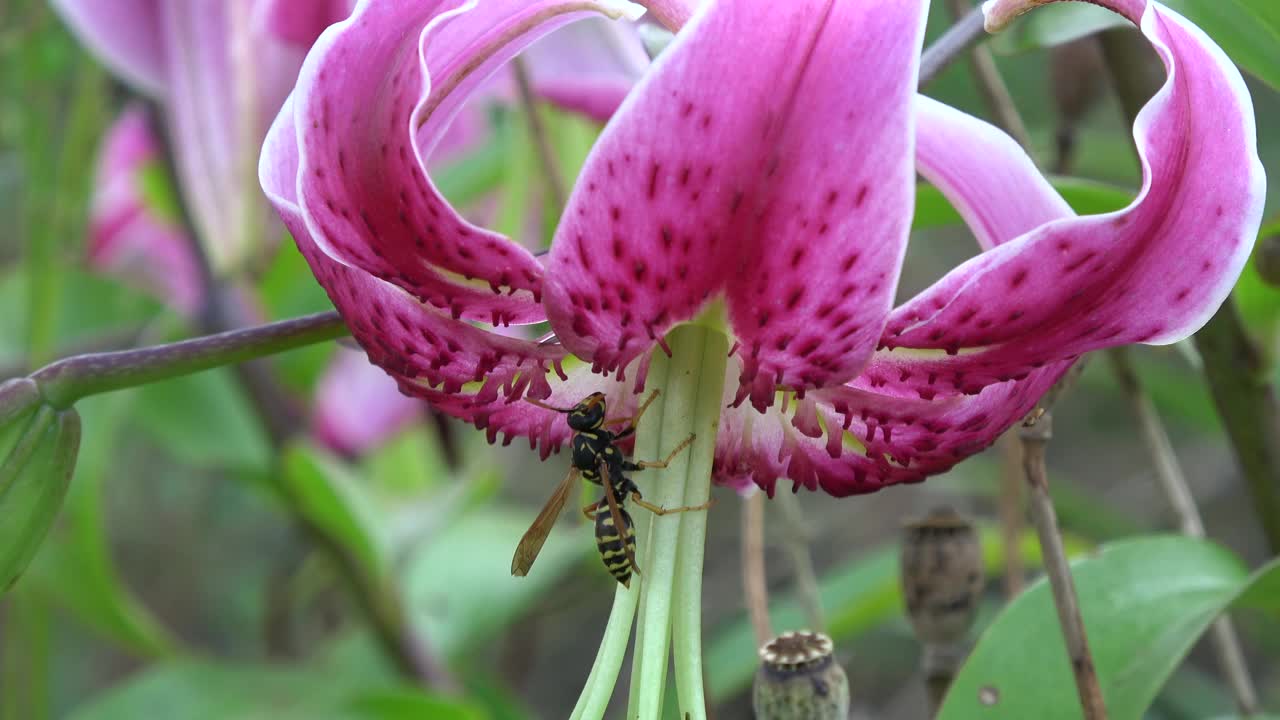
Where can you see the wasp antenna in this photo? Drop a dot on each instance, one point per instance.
(544, 406)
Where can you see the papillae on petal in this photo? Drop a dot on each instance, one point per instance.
(766, 157)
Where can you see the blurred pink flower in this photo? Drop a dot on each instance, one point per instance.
(357, 407)
(129, 235)
(220, 71)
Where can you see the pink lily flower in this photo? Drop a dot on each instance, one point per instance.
(766, 162)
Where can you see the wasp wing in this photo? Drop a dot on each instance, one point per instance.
(531, 544)
(616, 514)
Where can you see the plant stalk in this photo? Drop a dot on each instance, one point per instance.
(1172, 481)
(754, 585)
(1035, 435)
(64, 382)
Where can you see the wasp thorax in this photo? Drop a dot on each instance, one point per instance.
(799, 678)
(588, 414)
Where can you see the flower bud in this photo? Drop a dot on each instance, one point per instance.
(942, 576)
(1267, 259)
(799, 679)
(38, 449)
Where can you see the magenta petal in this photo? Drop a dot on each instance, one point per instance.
(1151, 273)
(991, 179)
(358, 407)
(301, 23)
(125, 34)
(129, 238)
(547, 431)
(364, 192)
(414, 343)
(766, 156)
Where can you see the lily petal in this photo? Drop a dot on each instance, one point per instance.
(367, 199)
(417, 345)
(786, 187)
(129, 236)
(125, 34)
(1152, 273)
(301, 23)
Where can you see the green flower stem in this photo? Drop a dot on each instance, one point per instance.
(64, 382)
(692, 385)
(687, 629)
(613, 647)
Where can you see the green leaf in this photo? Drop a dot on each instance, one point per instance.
(198, 690)
(91, 309)
(409, 705)
(460, 585)
(34, 475)
(858, 596)
(331, 498)
(1144, 602)
(204, 420)
(75, 569)
(1248, 30)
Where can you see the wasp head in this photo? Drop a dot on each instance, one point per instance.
(588, 414)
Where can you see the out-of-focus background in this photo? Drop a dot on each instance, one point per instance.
(178, 577)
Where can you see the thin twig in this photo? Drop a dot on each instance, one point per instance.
(1012, 514)
(753, 574)
(951, 45)
(1035, 436)
(541, 139)
(992, 87)
(65, 381)
(1237, 377)
(796, 535)
(1225, 641)
(275, 407)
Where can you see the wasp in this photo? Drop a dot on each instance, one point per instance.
(597, 459)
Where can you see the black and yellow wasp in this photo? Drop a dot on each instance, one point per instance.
(597, 458)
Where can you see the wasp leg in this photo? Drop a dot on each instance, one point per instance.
(663, 463)
(589, 511)
(659, 510)
(631, 421)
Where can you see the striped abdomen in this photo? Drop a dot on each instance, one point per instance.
(613, 546)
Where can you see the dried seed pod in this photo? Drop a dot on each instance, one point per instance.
(942, 576)
(799, 679)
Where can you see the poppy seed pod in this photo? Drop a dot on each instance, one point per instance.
(942, 576)
(800, 679)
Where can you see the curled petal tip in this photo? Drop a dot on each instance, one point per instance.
(621, 9)
(998, 14)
